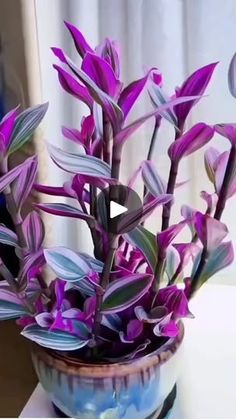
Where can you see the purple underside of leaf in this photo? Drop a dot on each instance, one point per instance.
(126, 132)
(121, 294)
(154, 183)
(220, 168)
(191, 141)
(228, 131)
(65, 211)
(196, 84)
(210, 157)
(101, 73)
(51, 190)
(72, 86)
(165, 238)
(113, 111)
(80, 42)
(7, 126)
(13, 174)
(130, 94)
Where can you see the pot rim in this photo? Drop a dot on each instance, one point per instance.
(74, 366)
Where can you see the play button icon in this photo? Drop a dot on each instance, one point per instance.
(119, 209)
(116, 209)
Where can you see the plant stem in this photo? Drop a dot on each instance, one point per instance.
(151, 147)
(106, 139)
(105, 276)
(158, 270)
(116, 158)
(225, 185)
(170, 190)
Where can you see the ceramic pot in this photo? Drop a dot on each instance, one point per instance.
(133, 389)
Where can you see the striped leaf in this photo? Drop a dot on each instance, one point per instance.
(8, 236)
(23, 184)
(145, 241)
(33, 228)
(65, 210)
(53, 339)
(26, 124)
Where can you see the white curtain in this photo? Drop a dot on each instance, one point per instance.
(177, 36)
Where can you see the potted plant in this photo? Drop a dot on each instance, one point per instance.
(107, 330)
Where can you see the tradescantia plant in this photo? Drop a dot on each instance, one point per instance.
(126, 299)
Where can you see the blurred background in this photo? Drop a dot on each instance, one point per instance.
(177, 36)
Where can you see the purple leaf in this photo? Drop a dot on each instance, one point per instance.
(121, 294)
(33, 228)
(154, 203)
(80, 163)
(102, 74)
(165, 238)
(80, 42)
(211, 201)
(113, 111)
(210, 157)
(232, 76)
(175, 300)
(210, 231)
(108, 50)
(8, 236)
(13, 174)
(220, 168)
(227, 131)
(154, 183)
(134, 330)
(172, 262)
(166, 327)
(73, 87)
(7, 126)
(51, 190)
(130, 94)
(66, 264)
(65, 210)
(126, 132)
(191, 141)
(196, 84)
(145, 241)
(33, 262)
(186, 252)
(23, 184)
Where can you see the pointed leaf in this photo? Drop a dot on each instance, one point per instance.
(66, 264)
(73, 87)
(210, 231)
(130, 94)
(154, 183)
(228, 131)
(26, 124)
(54, 339)
(195, 84)
(145, 241)
(165, 238)
(191, 141)
(8, 236)
(210, 157)
(101, 73)
(33, 228)
(65, 210)
(113, 111)
(7, 126)
(79, 163)
(80, 42)
(23, 184)
(121, 294)
(51, 190)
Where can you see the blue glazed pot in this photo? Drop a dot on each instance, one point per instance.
(133, 389)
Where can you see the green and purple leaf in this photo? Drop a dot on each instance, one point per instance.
(145, 241)
(34, 232)
(210, 231)
(121, 294)
(154, 183)
(22, 185)
(53, 339)
(7, 126)
(8, 236)
(65, 210)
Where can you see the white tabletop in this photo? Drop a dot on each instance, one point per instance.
(207, 386)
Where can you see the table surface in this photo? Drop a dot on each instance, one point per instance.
(207, 385)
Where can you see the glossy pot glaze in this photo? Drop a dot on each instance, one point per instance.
(133, 389)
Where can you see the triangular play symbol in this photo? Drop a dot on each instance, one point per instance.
(116, 209)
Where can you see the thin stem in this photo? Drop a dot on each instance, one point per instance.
(151, 147)
(116, 158)
(170, 190)
(158, 270)
(103, 285)
(106, 139)
(225, 185)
